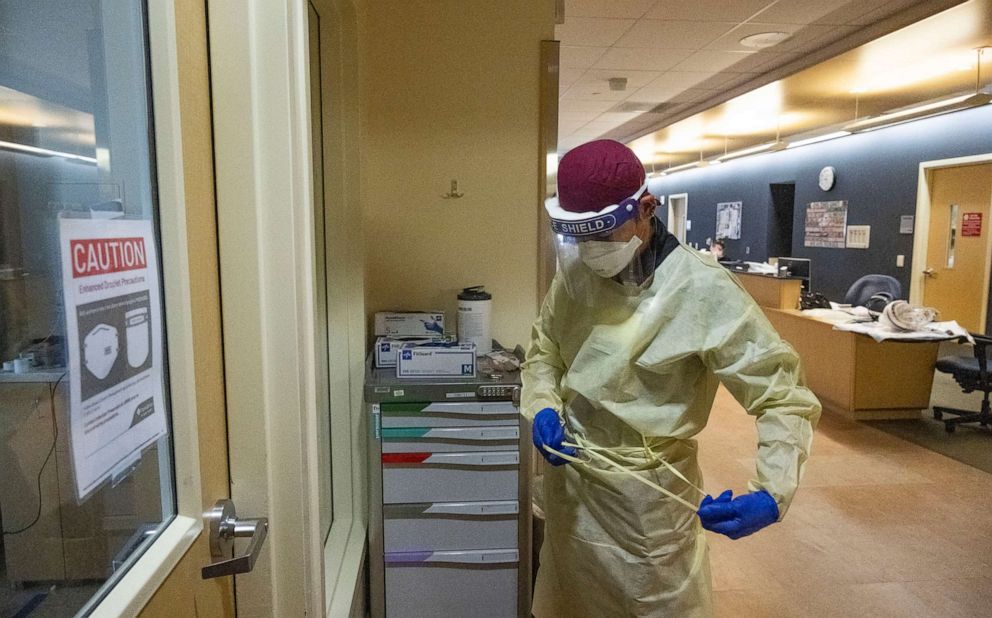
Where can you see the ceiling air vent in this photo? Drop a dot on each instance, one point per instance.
(634, 106)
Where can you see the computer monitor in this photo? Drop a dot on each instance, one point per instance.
(797, 267)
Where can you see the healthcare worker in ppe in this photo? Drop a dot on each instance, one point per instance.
(634, 336)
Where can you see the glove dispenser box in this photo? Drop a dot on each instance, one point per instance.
(449, 515)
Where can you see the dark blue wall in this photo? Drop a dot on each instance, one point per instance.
(877, 173)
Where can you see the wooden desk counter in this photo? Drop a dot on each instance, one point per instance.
(855, 375)
(771, 291)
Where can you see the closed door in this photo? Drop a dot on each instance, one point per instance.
(955, 272)
(113, 423)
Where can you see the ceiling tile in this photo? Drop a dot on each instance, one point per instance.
(644, 58)
(606, 8)
(674, 34)
(732, 40)
(572, 57)
(712, 61)
(678, 79)
(617, 118)
(879, 12)
(592, 32)
(567, 77)
(760, 62)
(738, 10)
(635, 79)
(595, 129)
(570, 117)
(817, 38)
(584, 107)
(570, 142)
(809, 11)
(594, 92)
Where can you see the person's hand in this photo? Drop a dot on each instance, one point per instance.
(548, 430)
(740, 516)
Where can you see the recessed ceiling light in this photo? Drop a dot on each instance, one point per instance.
(764, 39)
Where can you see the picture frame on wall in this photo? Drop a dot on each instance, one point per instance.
(728, 220)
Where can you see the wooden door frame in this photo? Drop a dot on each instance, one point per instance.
(671, 213)
(259, 54)
(921, 230)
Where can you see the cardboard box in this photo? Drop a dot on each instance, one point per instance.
(436, 361)
(386, 348)
(409, 324)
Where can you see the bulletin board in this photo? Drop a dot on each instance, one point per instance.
(728, 220)
(826, 224)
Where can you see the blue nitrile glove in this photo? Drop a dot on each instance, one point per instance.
(740, 516)
(548, 430)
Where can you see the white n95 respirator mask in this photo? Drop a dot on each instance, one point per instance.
(606, 258)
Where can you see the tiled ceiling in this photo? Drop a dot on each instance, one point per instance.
(679, 57)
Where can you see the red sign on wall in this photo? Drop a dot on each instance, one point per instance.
(971, 224)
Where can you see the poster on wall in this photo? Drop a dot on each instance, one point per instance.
(971, 224)
(728, 220)
(114, 335)
(826, 224)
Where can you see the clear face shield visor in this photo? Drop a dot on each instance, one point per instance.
(602, 251)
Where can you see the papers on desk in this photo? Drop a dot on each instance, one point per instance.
(857, 320)
(935, 331)
(761, 268)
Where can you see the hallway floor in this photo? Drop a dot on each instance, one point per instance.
(880, 527)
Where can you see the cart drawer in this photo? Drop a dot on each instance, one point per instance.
(481, 584)
(450, 439)
(463, 414)
(450, 526)
(449, 477)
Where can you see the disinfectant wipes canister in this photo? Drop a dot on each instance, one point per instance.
(474, 312)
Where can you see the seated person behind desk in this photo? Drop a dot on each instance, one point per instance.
(717, 247)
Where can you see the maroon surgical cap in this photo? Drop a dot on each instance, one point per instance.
(598, 174)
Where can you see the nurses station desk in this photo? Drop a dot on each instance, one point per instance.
(772, 290)
(854, 375)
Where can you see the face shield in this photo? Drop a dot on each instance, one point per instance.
(608, 250)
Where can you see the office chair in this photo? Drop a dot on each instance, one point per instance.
(869, 285)
(972, 374)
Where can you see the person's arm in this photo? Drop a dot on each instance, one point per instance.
(542, 371)
(764, 374)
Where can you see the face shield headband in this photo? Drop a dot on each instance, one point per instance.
(583, 224)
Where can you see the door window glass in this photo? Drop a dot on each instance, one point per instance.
(87, 472)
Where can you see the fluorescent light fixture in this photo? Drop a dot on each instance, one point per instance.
(818, 138)
(44, 152)
(684, 166)
(917, 112)
(716, 162)
(769, 147)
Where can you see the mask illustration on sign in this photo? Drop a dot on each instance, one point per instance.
(606, 259)
(137, 336)
(100, 350)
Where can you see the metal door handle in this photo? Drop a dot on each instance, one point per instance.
(224, 528)
(930, 273)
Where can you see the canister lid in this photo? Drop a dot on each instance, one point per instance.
(475, 292)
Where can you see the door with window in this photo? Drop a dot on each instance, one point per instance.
(113, 438)
(956, 270)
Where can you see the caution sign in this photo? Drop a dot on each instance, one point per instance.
(113, 315)
(971, 224)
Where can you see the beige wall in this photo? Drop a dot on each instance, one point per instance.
(451, 91)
